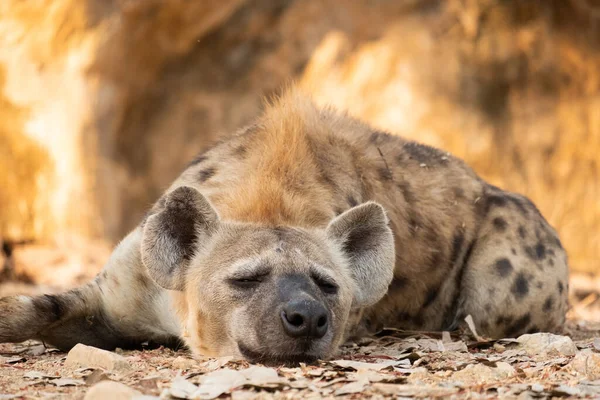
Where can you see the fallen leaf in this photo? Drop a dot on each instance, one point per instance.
(218, 382)
(352, 387)
(181, 388)
(258, 376)
(67, 382)
(95, 377)
(357, 365)
(471, 325)
(13, 360)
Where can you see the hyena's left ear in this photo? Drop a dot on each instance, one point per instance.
(367, 241)
(184, 221)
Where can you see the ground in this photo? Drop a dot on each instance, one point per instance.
(393, 364)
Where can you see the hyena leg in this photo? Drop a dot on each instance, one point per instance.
(516, 279)
(62, 320)
(122, 307)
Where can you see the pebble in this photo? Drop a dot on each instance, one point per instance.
(92, 357)
(540, 344)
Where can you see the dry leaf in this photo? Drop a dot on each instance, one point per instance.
(352, 387)
(182, 389)
(258, 376)
(218, 382)
(471, 325)
(357, 365)
(67, 382)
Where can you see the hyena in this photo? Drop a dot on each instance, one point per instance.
(302, 230)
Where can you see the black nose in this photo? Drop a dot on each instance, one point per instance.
(304, 318)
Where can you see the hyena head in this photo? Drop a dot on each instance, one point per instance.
(270, 294)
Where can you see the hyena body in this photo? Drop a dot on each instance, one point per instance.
(288, 214)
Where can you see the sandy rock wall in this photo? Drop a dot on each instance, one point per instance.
(103, 102)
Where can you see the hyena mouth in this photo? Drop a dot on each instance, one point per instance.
(276, 359)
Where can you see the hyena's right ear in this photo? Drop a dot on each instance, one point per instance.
(183, 221)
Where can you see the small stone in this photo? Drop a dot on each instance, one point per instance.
(111, 390)
(545, 343)
(536, 387)
(92, 357)
(588, 364)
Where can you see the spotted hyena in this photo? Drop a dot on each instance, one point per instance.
(302, 230)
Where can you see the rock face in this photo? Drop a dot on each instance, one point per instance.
(103, 102)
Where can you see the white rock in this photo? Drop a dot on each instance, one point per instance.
(545, 343)
(92, 357)
(111, 390)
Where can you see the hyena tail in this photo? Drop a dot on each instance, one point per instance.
(61, 320)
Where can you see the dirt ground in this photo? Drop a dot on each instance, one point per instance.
(393, 364)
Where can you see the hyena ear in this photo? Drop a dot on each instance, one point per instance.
(183, 221)
(367, 241)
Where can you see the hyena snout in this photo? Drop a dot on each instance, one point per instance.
(304, 319)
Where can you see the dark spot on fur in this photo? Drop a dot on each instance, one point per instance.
(503, 267)
(457, 243)
(143, 281)
(520, 287)
(548, 304)
(385, 174)
(459, 193)
(431, 296)
(557, 242)
(50, 305)
(500, 224)
(494, 200)
(512, 250)
(423, 154)
(351, 201)
(487, 307)
(492, 292)
(560, 287)
(338, 211)
(519, 203)
(197, 160)
(206, 174)
(240, 150)
(533, 329)
(537, 252)
(539, 285)
(379, 137)
(522, 232)
(452, 310)
(398, 283)
(503, 320)
(518, 326)
(551, 262)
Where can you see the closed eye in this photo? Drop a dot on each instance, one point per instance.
(326, 284)
(248, 279)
